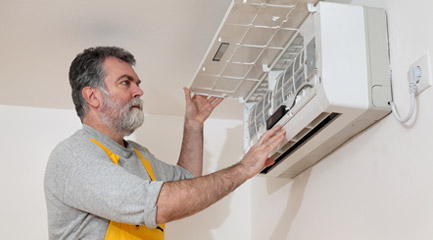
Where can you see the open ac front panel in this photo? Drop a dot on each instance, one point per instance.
(327, 83)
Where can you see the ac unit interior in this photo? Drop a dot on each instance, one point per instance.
(319, 69)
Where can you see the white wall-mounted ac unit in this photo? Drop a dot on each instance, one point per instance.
(322, 72)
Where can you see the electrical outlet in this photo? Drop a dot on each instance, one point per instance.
(425, 65)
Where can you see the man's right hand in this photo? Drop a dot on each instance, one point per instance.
(183, 198)
(257, 157)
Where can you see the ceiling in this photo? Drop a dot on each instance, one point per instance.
(39, 39)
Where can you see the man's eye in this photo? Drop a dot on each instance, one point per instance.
(126, 83)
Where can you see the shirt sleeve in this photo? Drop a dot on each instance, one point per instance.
(93, 184)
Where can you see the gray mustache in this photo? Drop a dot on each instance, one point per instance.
(135, 102)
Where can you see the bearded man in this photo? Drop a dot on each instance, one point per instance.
(100, 186)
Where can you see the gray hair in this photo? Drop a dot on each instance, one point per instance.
(87, 70)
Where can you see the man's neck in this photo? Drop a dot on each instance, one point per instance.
(106, 130)
(113, 135)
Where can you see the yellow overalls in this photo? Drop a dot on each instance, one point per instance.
(122, 231)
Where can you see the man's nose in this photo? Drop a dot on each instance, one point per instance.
(136, 91)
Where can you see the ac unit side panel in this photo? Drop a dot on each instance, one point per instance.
(344, 54)
(378, 58)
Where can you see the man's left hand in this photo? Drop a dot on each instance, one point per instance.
(199, 108)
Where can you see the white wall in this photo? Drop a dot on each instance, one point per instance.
(379, 185)
(29, 134)
(27, 137)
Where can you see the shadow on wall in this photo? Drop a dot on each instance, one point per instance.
(201, 225)
(284, 224)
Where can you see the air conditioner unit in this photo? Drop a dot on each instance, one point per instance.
(319, 70)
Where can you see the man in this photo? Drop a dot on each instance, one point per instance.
(100, 186)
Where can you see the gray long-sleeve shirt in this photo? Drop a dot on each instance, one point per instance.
(84, 189)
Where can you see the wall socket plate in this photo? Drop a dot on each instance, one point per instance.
(424, 63)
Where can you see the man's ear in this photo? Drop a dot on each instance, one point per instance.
(92, 96)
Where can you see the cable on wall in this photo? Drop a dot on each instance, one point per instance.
(415, 74)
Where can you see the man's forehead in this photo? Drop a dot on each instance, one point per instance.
(113, 65)
(111, 60)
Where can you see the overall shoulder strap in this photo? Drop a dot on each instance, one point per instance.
(146, 165)
(115, 158)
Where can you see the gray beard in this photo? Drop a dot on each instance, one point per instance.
(122, 119)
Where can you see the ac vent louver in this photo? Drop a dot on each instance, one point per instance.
(313, 128)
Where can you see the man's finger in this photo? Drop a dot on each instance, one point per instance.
(275, 140)
(187, 95)
(216, 102)
(269, 133)
(271, 143)
(269, 162)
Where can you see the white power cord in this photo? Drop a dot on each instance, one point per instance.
(414, 78)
